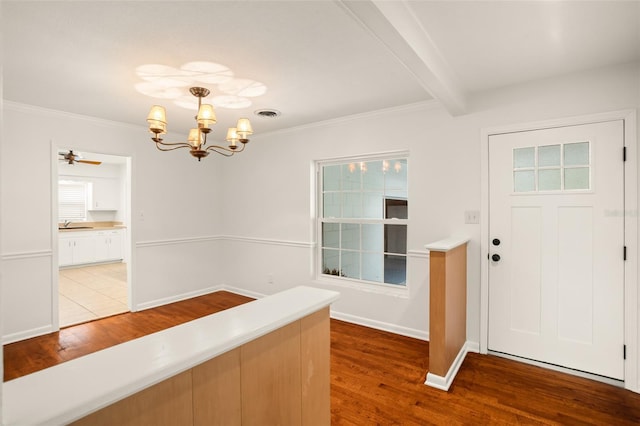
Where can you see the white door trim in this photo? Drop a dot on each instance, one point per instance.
(631, 302)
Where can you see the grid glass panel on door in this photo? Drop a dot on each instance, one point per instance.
(557, 167)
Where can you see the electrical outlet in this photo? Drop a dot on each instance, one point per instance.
(269, 278)
(472, 217)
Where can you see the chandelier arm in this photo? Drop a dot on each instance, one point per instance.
(160, 146)
(224, 151)
(220, 150)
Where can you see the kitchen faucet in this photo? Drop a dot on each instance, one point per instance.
(67, 223)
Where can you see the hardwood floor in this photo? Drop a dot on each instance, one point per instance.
(31, 355)
(377, 378)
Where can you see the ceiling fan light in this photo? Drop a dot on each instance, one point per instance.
(206, 116)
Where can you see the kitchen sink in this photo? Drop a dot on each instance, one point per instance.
(75, 227)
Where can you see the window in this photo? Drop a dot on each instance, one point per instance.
(72, 200)
(561, 167)
(362, 219)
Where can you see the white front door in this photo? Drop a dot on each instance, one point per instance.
(556, 229)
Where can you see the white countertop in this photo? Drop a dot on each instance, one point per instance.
(447, 244)
(76, 388)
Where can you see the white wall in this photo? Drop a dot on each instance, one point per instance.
(173, 198)
(270, 202)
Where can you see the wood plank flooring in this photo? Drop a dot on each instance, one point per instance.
(31, 355)
(377, 378)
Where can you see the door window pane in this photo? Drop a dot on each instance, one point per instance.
(524, 181)
(523, 157)
(549, 180)
(576, 154)
(549, 155)
(577, 178)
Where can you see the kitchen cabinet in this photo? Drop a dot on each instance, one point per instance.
(104, 194)
(82, 247)
(108, 245)
(76, 249)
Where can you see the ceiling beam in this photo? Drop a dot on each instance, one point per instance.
(396, 26)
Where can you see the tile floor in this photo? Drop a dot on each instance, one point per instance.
(91, 292)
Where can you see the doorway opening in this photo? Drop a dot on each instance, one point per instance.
(93, 219)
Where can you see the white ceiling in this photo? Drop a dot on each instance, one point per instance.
(318, 59)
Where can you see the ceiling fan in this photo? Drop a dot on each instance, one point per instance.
(72, 158)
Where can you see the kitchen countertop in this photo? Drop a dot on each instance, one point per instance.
(90, 226)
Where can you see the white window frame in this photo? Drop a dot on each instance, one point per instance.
(79, 195)
(370, 286)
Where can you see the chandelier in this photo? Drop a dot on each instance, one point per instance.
(197, 139)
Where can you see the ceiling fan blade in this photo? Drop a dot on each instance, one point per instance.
(97, 163)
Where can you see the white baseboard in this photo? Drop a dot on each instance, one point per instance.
(443, 383)
(177, 298)
(472, 346)
(379, 325)
(240, 291)
(27, 334)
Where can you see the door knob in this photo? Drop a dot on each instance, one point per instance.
(495, 242)
(495, 257)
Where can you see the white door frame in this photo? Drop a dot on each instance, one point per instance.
(128, 242)
(631, 301)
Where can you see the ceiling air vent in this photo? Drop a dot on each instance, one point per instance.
(267, 113)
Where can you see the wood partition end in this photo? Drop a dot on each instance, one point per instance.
(447, 310)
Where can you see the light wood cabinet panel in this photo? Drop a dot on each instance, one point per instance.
(270, 375)
(447, 307)
(216, 391)
(166, 403)
(281, 378)
(315, 343)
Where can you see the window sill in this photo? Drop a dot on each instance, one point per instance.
(368, 287)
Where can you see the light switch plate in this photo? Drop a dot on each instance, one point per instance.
(472, 217)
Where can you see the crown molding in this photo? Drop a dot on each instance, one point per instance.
(34, 109)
